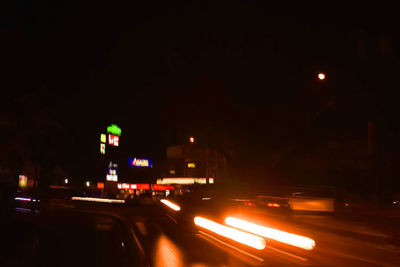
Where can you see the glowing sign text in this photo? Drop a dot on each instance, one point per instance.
(144, 163)
(114, 129)
(113, 140)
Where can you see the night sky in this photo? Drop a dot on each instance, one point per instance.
(237, 74)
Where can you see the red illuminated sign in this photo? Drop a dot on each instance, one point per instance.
(113, 140)
(155, 187)
(158, 187)
(100, 185)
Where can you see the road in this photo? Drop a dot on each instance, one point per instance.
(353, 245)
(170, 238)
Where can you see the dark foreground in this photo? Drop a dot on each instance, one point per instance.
(71, 233)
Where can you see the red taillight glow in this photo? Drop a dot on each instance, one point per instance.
(170, 204)
(231, 233)
(275, 205)
(281, 236)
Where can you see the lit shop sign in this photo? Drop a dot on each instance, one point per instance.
(103, 149)
(114, 129)
(143, 163)
(112, 178)
(100, 185)
(103, 138)
(112, 175)
(185, 180)
(113, 140)
(155, 187)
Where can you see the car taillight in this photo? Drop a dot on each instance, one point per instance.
(274, 205)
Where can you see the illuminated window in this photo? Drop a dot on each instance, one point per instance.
(23, 181)
(171, 171)
(191, 165)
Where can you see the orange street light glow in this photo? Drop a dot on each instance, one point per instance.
(170, 204)
(321, 76)
(284, 237)
(239, 236)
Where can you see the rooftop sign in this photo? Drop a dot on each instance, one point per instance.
(141, 162)
(114, 129)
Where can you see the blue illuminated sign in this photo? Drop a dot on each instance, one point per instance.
(141, 162)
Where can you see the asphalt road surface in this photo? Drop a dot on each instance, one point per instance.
(170, 238)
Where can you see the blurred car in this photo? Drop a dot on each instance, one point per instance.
(72, 238)
(272, 202)
(146, 198)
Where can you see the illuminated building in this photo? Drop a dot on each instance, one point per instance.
(191, 163)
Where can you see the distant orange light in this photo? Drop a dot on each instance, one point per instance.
(321, 76)
(250, 204)
(191, 139)
(275, 205)
(100, 185)
(281, 236)
(231, 233)
(170, 204)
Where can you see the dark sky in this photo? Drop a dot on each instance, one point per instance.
(227, 72)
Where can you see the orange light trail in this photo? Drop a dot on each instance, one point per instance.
(94, 199)
(275, 205)
(281, 236)
(231, 233)
(170, 204)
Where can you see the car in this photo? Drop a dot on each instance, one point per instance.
(75, 238)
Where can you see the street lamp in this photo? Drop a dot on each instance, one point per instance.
(191, 139)
(321, 76)
(87, 183)
(66, 181)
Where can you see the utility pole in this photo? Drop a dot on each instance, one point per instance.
(371, 158)
(207, 163)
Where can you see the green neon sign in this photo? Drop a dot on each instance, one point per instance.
(114, 129)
